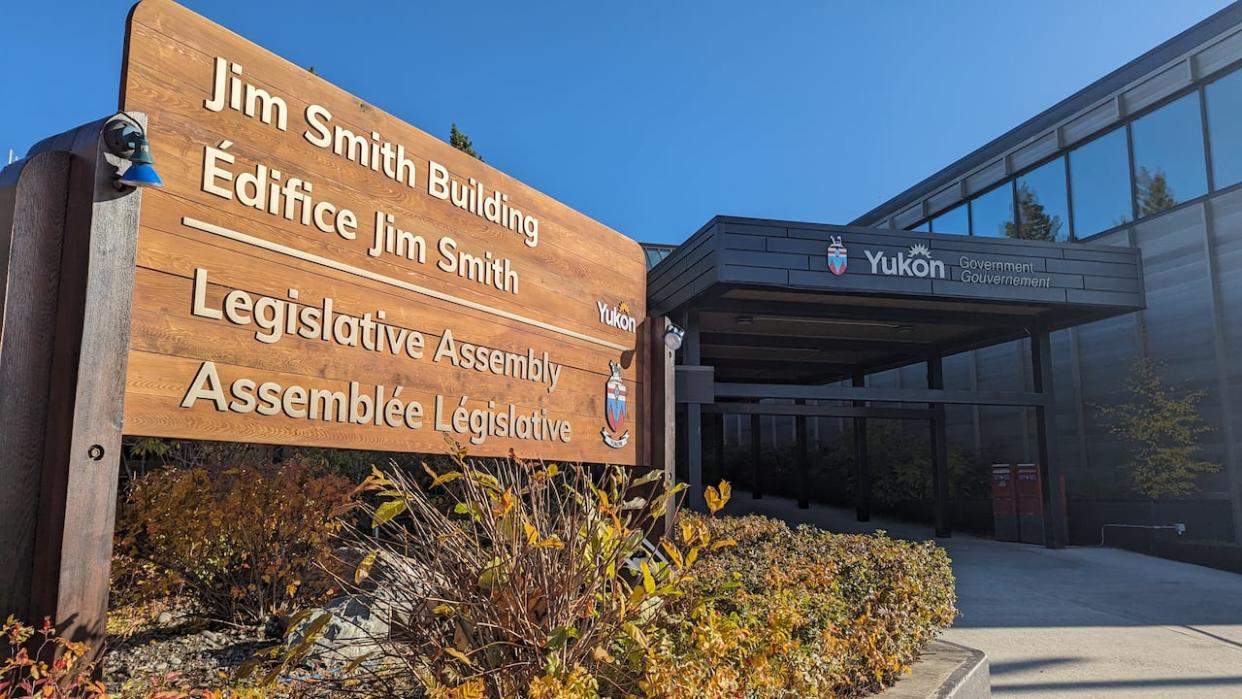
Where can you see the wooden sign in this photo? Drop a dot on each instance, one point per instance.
(317, 272)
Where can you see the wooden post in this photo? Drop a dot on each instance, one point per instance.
(756, 456)
(31, 248)
(862, 469)
(70, 546)
(1056, 523)
(939, 451)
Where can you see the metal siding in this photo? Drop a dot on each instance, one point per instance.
(1033, 152)
(1156, 87)
(1227, 242)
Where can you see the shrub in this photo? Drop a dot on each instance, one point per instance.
(515, 578)
(506, 578)
(799, 612)
(66, 675)
(244, 544)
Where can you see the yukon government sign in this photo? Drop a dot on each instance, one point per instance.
(318, 272)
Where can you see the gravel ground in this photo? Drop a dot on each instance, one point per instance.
(200, 657)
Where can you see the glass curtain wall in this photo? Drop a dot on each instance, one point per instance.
(1169, 166)
(1100, 184)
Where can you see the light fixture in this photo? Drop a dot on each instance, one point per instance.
(126, 139)
(744, 320)
(673, 337)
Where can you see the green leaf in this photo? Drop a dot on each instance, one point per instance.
(648, 477)
(386, 511)
(494, 574)
(560, 636)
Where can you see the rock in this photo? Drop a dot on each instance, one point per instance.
(164, 619)
(357, 627)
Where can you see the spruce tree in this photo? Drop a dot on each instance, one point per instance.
(1034, 222)
(1161, 430)
(1155, 194)
(461, 142)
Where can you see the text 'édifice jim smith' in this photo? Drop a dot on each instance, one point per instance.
(293, 198)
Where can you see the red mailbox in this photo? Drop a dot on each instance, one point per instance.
(1004, 503)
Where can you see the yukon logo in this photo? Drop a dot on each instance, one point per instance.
(918, 263)
(837, 260)
(615, 409)
(618, 317)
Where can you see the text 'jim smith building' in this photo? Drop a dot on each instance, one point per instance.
(1012, 301)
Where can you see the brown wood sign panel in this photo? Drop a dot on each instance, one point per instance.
(318, 272)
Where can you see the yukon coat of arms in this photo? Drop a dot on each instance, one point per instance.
(837, 259)
(616, 409)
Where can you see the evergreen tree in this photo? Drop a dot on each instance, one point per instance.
(1155, 194)
(1034, 222)
(1161, 431)
(461, 142)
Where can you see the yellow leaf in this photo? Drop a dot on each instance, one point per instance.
(503, 504)
(649, 583)
(671, 551)
(551, 542)
(716, 498)
(465, 659)
(722, 543)
(446, 478)
(364, 568)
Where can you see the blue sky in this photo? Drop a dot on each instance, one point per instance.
(650, 115)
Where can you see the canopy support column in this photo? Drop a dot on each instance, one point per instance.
(691, 356)
(862, 469)
(939, 451)
(756, 452)
(1052, 484)
(804, 461)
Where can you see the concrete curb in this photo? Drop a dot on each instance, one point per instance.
(945, 671)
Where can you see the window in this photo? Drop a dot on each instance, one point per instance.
(1169, 167)
(1043, 209)
(1100, 183)
(1224, 117)
(991, 213)
(955, 221)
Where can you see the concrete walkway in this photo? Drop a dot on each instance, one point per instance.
(1079, 622)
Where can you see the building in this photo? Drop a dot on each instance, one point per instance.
(1146, 160)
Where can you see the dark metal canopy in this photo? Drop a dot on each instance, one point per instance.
(772, 307)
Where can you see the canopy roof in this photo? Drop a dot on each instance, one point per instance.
(774, 305)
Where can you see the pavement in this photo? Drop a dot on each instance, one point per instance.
(1078, 622)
